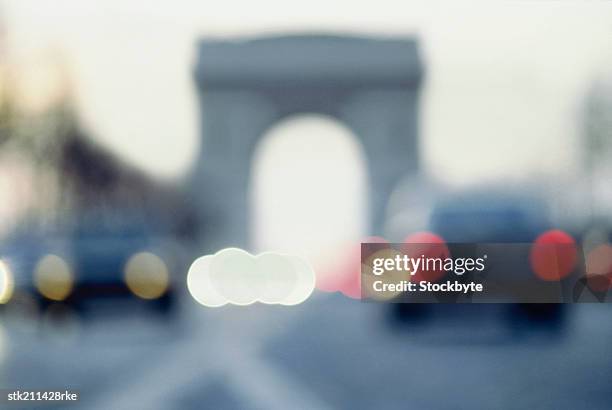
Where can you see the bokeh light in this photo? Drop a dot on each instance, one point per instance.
(146, 275)
(53, 278)
(345, 276)
(553, 255)
(7, 283)
(200, 286)
(393, 276)
(428, 245)
(237, 277)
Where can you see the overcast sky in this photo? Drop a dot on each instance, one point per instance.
(501, 78)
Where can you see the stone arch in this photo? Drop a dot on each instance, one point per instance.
(371, 85)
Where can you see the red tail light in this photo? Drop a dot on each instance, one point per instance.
(426, 245)
(345, 275)
(553, 255)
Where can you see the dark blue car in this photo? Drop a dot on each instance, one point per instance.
(90, 260)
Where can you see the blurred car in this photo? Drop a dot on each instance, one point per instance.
(123, 260)
(91, 260)
(492, 216)
(20, 253)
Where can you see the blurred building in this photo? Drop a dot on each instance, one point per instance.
(69, 176)
(99, 182)
(370, 85)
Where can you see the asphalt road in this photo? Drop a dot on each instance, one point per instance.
(330, 352)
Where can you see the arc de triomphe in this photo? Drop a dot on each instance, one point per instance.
(245, 87)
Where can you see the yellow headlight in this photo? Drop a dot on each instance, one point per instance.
(146, 275)
(7, 283)
(53, 278)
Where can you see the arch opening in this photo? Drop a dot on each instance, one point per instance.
(308, 190)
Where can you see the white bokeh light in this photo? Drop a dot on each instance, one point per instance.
(236, 277)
